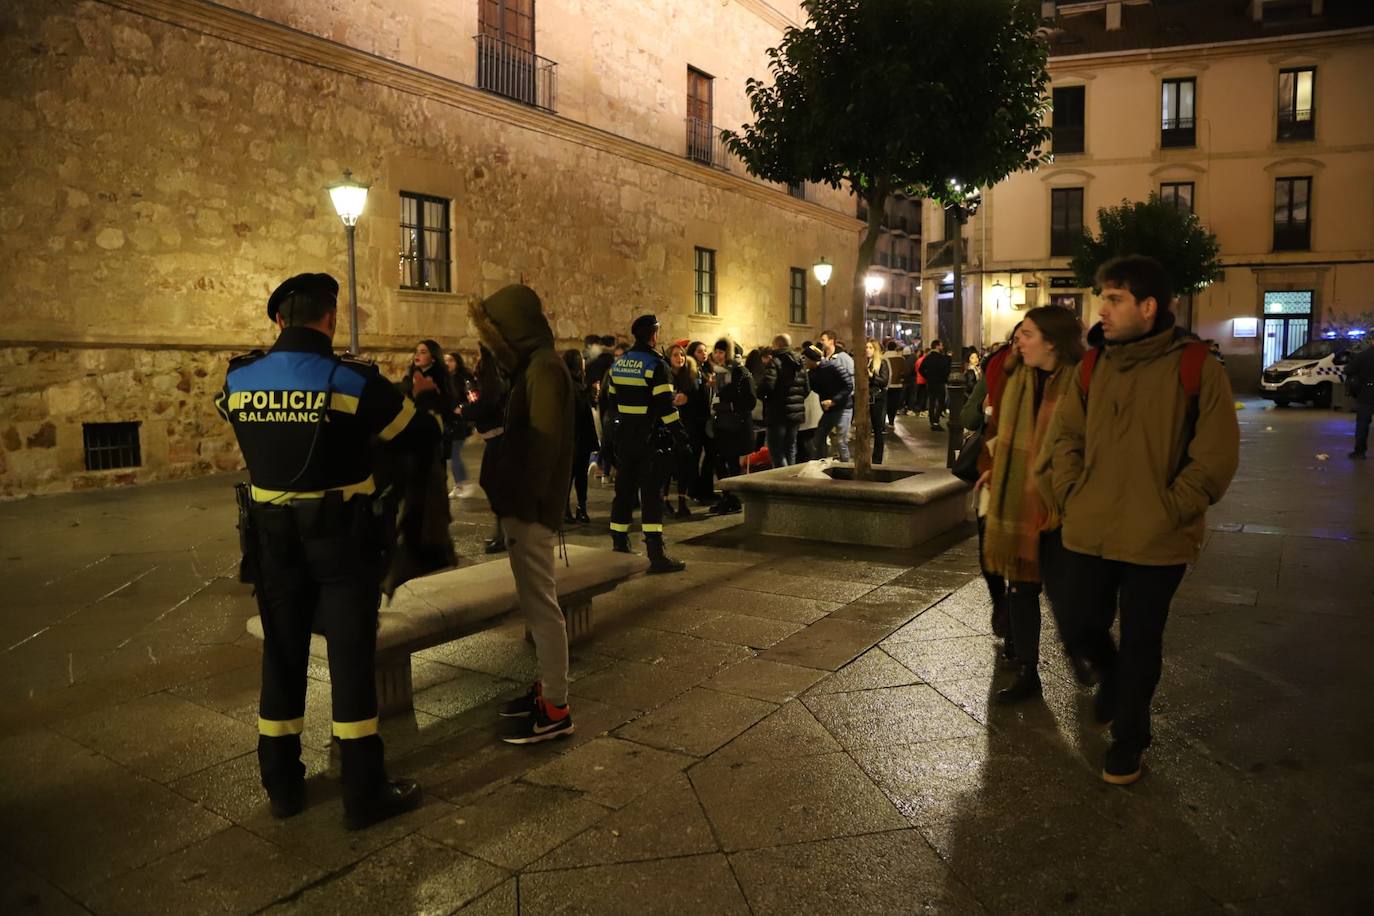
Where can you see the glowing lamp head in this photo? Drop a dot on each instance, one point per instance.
(822, 269)
(349, 198)
(873, 284)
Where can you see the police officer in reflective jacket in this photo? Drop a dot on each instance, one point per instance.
(305, 420)
(645, 434)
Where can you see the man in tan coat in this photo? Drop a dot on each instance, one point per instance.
(1136, 462)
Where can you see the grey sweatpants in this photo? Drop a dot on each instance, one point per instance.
(530, 546)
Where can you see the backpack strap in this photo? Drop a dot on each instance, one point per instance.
(1085, 373)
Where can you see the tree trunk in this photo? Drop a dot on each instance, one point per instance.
(955, 347)
(876, 198)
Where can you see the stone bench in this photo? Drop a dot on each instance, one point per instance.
(449, 605)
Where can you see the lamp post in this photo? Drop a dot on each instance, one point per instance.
(873, 285)
(966, 203)
(349, 198)
(822, 270)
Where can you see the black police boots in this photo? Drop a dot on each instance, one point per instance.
(392, 798)
(620, 542)
(659, 561)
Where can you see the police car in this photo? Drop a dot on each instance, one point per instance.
(1313, 372)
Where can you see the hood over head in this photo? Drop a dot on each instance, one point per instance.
(511, 323)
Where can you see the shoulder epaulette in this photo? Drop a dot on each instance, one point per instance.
(248, 357)
(358, 362)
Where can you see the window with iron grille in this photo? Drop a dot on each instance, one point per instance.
(798, 296)
(1178, 110)
(1297, 103)
(1066, 220)
(1068, 125)
(425, 261)
(706, 281)
(111, 445)
(1178, 193)
(1292, 214)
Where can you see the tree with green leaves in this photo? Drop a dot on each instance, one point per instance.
(1156, 227)
(927, 97)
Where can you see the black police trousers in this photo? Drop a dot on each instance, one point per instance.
(318, 566)
(638, 470)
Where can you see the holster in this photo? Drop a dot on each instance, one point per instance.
(248, 535)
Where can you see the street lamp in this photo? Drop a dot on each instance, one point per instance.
(822, 269)
(349, 198)
(964, 202)
(873, 285)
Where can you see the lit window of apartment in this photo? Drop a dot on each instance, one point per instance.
(705, 281)
(1293, 214)
(1068, 125)
(425, 260)
(1178, 125)
(1178, 193)
(1066, 220)
(1297, 103)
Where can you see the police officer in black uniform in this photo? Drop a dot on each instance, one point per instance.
(305, 420)
(645, 434)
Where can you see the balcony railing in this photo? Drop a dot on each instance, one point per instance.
(1068, 139)
(1178, 132)
(1297, 125)
(704, 145)
(517, 74)
(1292, 236)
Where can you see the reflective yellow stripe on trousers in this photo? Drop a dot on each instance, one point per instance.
(361, 729)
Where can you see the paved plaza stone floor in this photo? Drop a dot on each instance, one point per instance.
(786, 727)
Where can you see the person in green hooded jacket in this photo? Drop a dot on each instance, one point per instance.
(527, 486)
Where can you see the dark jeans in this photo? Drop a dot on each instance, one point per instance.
(1023, 601)
(936, 398)
(806, 439)
(875, 418)
(918, 403)
(581, 462)
(782, 444)
(997, 586)
(1131, 672)
(1363, 414)
(894, 401)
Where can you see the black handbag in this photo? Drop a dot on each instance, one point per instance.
(965, 466)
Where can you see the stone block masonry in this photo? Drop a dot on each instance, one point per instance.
(165, 178)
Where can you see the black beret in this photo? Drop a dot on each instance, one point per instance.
(317, 285)
(644, 327)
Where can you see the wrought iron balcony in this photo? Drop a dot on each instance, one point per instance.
(704, 145)
(1297, 125)
(524, 76)
(1178, 132)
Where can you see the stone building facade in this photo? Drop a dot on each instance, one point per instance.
(168, 161)
(1225, 107)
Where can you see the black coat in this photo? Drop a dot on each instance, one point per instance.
(784, 388)
(698, 406)
(584, 423)
(829, 384)
(936, 368)
(735, 397)
(1359, 372)
(877, 384)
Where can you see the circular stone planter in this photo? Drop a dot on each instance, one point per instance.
(902, 507)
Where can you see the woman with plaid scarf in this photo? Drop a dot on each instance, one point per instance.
(1022, 543)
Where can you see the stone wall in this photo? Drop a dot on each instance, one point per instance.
(165, 179)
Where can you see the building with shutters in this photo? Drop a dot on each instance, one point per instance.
(1255, 114)
(168, 163)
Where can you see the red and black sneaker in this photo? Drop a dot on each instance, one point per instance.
(548, 722)
(525, 706)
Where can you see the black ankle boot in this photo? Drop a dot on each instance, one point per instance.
(1026, 687)
(683, 511)
(582, 515)
(659, 561)
(620, 542)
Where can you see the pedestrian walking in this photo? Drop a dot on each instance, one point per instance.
(647, 434)
(1359, 380)
(485, 409)
(828, 384)
(527, 484)
(878, 376)
(1022, 542)
(839, 414)
(731, 426)
(1145, 444)
(305, 420)
(457, 430)
(896, 382)
(585, 440)
(783, 390)
(936, 368)
(693, 408)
